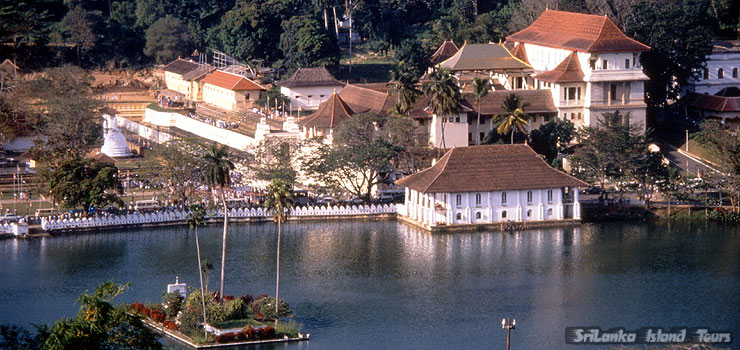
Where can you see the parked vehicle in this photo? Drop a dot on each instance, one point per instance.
(144, 205)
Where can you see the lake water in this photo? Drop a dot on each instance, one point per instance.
(368, 285)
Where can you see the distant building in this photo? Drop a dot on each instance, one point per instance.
(723, 106)
(230, 91)
(444, 52)
(322, 122)
(174, 72)
(309, 87)
(490, 184)
(489, 60)
(721, 71)
(590, 66)
(195, 79)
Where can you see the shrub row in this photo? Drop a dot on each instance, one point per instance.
(724, 215)
(247, 334)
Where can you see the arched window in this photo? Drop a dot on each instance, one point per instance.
(503, 198)
(720, 73)
(549, 196)
(458, 200)
(529, 213)
(734, 73)
(459, 216)
(477, 215)
(549, 212)
(529, 197)
(503, 214)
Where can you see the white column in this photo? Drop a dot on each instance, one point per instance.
(576, 205)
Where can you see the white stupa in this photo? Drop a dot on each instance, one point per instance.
(115, 144)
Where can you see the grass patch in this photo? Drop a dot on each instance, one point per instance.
(155, 106)
(290, 329)
(367, 66)
(701, 151)
(241, 323)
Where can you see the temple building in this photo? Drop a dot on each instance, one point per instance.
(490, 184)
(114, 144)
(309, 87)
(230, 91)
(722, 70)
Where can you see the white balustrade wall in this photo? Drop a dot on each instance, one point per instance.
(170, 217)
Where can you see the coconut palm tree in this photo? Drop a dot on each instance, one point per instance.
(406, 88)
(197, 217)
(216, 174)
(481, 86)
(444, 96)
(514, 117)
(278, 202)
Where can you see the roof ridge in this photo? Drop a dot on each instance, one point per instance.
(444, 165)
(513, 56)
(551, 167)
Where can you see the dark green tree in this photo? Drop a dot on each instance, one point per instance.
(178, 165)
(81, 28)
(305, 43)
(552, 138)
(85, 183)
(166, 39)
(514, 118)
(412, 57)
(276, 159)
(444, 97)
(251, 30)
(405, 86)
(481, 87)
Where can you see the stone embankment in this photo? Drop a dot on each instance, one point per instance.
(178, 217)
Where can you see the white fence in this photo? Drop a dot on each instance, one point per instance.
(173, 217)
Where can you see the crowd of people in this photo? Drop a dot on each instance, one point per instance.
(215, 122)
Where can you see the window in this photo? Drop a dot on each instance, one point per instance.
(579, 115)
(482, 120)
(592, 63)
(549, 196)
(459, 216)
(572, 116)
(477, 215)
(604, 64)
(706, 73)
(546, 118)
(470, 137)
(503, 214)
(627, 64)
(503, 198)
(529, 213)
(458, 200)
(477, 199)
(457, 119)
(529, 197)
(612, 91)
(549, 212)
(720, 73)
(482, 136)
(734, 73)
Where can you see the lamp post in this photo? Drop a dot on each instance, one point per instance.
(508, 324)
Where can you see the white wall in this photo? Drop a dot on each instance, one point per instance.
(726, 61)
(207, 131)
(299, 97)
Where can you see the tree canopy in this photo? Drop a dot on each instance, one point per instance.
(77, 182)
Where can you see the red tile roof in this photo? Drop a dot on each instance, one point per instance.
(445, 51)
(330, 113)
(489, 168)
(577, 31)
(711, 102)
(231, 81)
(568, 71)
(520, 53)
(484, 57)
(361, 99)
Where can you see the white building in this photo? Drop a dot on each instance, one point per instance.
(173, 75)
(590, 65)
(722, 69)
(490, 184)
(230, 91)
(309, 87)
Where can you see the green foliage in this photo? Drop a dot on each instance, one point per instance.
(101, 325)
(172, 303)
(266, 307)
(166, 39)
(725, 144)
(275, 95)
(279, 199)
(481, 87)
(216, 171)
(192, 314)
(413, 58)
(513, 118)
(251, 30)
(18, 338)
(405, 85)
(237, 309)
(444, 96)
(552, 138)
(178, 163)
(78, 182)
(305, 43)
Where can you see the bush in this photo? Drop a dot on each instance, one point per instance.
(192, 313)
(144, 311)
(235, 309)
(265, 333)
(137, 307)
(157, 316)
(225, 338)
(264, 307)
(723, 215)
(170, 325)
(171, 303)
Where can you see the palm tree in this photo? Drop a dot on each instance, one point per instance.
(278, 202)
(514, 117)
(481, 86)
(216, 174)
(444, 96)
(196, 217)
(206, 268)
(406, 88)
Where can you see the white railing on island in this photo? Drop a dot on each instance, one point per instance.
(178, 216)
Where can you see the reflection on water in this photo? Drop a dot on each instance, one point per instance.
(359, 284)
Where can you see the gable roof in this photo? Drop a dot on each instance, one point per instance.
(180, 66)
(536, 101)
(200, 72)
(489, 168)
(330, 113)
(577, 31)
(307, 77)
(361, 99)
(484, 57)
(231, 81)
(445, 51)
(712, 102)
(520, 53)
(567, 71)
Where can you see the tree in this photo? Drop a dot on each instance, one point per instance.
(672, 186)
(305, 43)
(197, 217)
(357, 158)
(166, 39)
(649, 171)
(85, 182)
(101, 325)
(216, 173)
(276, 159)
(251, 30)
(552, 138)
(279, 202)
(178, 163)
(725, 145)
(514, 118)
(444, 96)
(412, 57)
(405, 86)
(481, 86)
(273, 95)
(81, 28)
(680, 35)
